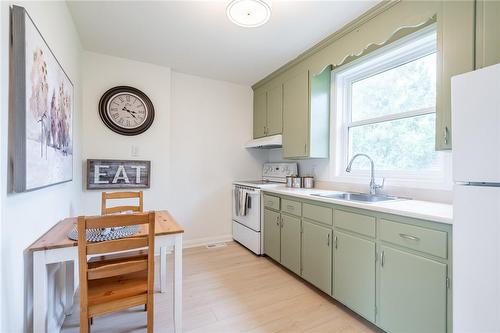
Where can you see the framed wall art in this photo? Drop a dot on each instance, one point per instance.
(41, 109)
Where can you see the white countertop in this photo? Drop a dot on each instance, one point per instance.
(425, 210)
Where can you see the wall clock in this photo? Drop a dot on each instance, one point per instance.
(126, 110)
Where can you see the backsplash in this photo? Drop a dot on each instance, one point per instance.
(320, 169)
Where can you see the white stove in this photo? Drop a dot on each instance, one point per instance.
(247, 208)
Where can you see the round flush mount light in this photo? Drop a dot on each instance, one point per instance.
(248, 13)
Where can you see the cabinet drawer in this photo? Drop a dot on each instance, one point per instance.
(318, 213)
(291, 207)
(271, 202)
(417, 238)
(359, 223)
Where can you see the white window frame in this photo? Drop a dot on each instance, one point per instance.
(407, 49)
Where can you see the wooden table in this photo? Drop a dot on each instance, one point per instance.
(55, 247)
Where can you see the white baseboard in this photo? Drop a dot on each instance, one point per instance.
(204, 241)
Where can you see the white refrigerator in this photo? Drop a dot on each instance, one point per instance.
(476, 204)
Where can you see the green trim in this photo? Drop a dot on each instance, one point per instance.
(353, 25)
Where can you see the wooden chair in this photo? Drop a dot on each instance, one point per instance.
(105, 210)
(119, 284)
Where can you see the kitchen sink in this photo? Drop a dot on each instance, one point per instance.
(361, 197)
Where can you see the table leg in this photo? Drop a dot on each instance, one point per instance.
(163, 269)
(69, 287)
(40, 279)
(178, 283)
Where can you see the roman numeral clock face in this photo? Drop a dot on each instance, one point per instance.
(126, 110)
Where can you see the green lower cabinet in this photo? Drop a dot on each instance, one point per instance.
(391, 270)
(412, 294)
(272, 234)
(317, 255)
(354, 273)
(290, 243)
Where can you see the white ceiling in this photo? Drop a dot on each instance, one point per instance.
(196, 37)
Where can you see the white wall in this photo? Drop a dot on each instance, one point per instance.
(195, 143)
(101, 72)
(26, 216)
(210, 122)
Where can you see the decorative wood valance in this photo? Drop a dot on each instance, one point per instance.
(396, 35)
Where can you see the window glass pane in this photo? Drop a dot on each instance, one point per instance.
(403, 144)
(411, 86)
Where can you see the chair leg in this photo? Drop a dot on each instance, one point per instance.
(84, 323)
(150, 315)
(91, 320)
(146, 307)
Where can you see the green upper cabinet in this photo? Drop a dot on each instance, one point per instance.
(317, 255)
(272, 234)
(354, 273)
(455, 56)
(487, 33)
(259, 114)
(268, 112)
(290, 243)
(412, 293)
(275, 110)
(306, 114)
(296, 115)
(468, 38)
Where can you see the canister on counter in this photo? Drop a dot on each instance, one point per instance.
(297, 182)
(289, 181)
(308, 182)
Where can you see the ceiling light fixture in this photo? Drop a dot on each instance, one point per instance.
(249, 13)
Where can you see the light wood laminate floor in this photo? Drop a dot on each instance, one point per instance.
(230, 289)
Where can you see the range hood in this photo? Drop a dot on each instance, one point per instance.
(274, 141)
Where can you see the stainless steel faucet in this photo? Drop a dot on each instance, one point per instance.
(374, 188)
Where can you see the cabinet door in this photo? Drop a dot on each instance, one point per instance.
(272, 234)
(317, 255)
(487, 33)
(275, 110)
(259, 114)
(354, 273)
(290, 243)
(411, 288)
(296, 115)
(455, 56)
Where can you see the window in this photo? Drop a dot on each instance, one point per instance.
(385, 105)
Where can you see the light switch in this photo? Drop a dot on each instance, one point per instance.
(134, 151)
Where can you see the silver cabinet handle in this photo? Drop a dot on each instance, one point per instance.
(278, 221)
(410, 237)
(382, 258)
(446, 135)
(328, 241)
(335, 240)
